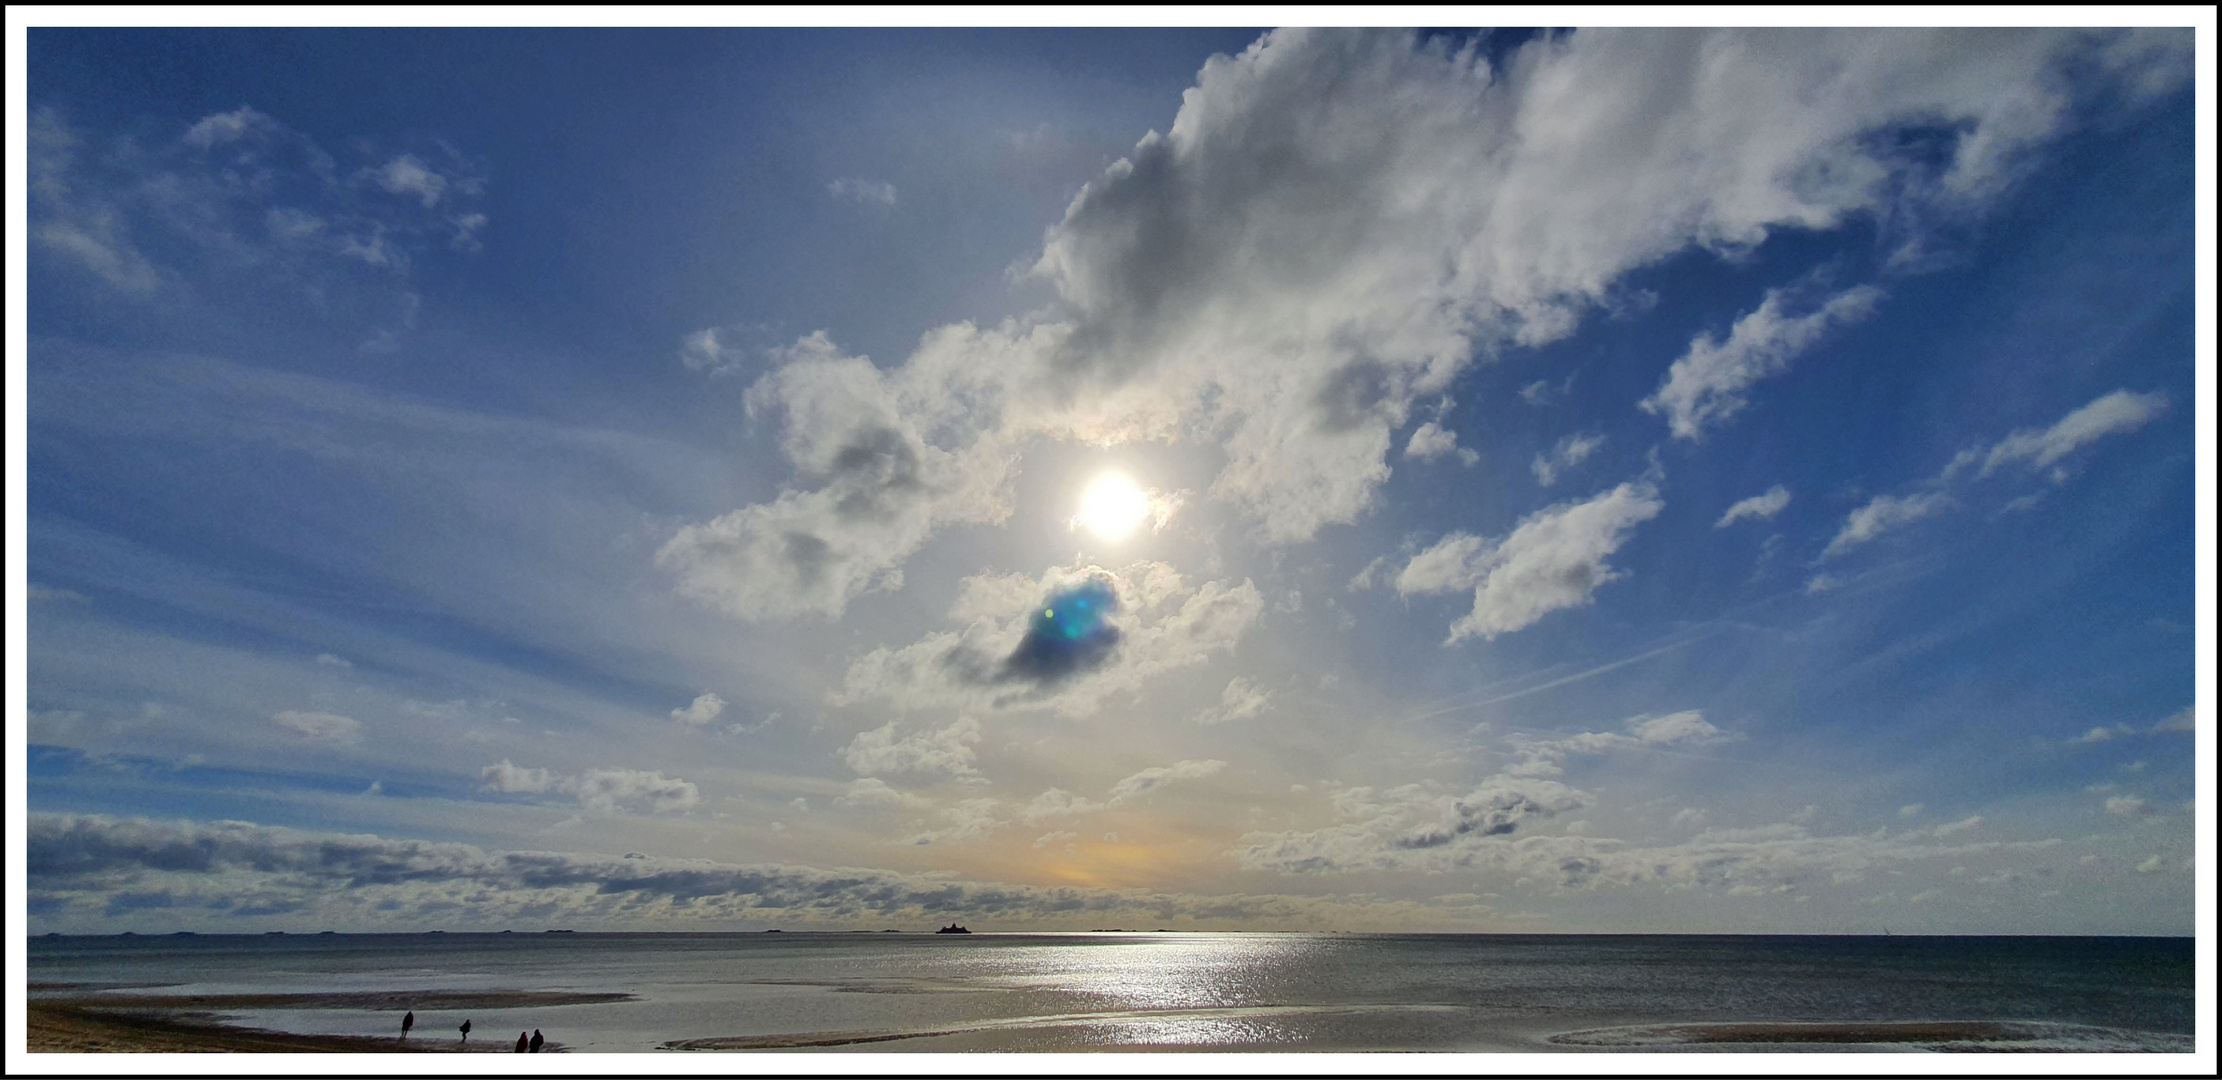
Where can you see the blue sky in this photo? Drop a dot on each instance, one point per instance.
(1587, 481)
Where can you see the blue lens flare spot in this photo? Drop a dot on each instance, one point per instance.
(1073, 632)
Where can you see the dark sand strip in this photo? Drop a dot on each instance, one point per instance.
(66, 1029)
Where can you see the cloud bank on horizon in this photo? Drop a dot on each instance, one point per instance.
(373, 512)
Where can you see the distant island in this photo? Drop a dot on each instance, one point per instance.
(952, 928)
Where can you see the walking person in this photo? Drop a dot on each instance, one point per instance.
(521, 1042)
(466, 1031)
(408, 1020)
(536, 1040)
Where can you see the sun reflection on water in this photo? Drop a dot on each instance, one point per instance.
(1156, 971)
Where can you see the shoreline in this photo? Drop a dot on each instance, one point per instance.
(108, 1026)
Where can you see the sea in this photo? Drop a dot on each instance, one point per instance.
(923, 992)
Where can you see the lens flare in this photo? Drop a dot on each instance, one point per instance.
(1113, 507)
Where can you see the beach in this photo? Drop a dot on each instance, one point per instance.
(79, 1022)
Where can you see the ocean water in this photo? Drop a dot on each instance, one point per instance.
(919, 992)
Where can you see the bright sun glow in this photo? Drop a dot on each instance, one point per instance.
(1113, 507)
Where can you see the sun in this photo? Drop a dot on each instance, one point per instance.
(1112, 507)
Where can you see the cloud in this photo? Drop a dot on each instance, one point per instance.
(703, 710)
(859, 190)
(510, 779)
(331, 660)
(1759, 507)
(2103, 734)
(1337, 223)
(1542, 757)
(1135, 786)
(946, 750)
(1708, 383)
(1432, 440)
(1410, 826)
(218, 129)
(406, 175)
(2110, 414)
(1882, 514)
(1686, 726)
(967, 819)
(872, 793)
(80, 864)
(883, 489)
(1241, 700)
(1414, 829)
(702, 351)
(1015, 650)
(1910, 810)
(2115, 413)
(322, 725)
(2125, 806)
(1554, 559)
(2180, 721)
(1540, 392)
(1056, 803)
(240, 210)
(1959, 826)
(1570, 451)
(604, 790)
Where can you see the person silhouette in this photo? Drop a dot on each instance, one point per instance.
(466, 1031)
(521, 1042)
(408, 1020)
(536, 1040)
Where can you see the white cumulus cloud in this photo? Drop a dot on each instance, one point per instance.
(1554, 559)
(1708, 384)
(703, 710)
(1759, 507)
(1337, 223)
(406, 175)
(946, 749)
(1432, 440)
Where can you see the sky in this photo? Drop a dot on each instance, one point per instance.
(1462, 480)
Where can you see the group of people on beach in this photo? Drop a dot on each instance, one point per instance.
(524, 1045)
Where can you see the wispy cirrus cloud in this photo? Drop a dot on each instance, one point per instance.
(2119, 412)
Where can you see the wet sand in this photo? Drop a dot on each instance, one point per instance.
(187, 1023)
(1945, 1035)
(68, 1029)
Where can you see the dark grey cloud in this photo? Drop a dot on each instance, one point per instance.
(85, 868)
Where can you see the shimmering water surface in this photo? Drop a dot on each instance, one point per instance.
(1057, 992)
